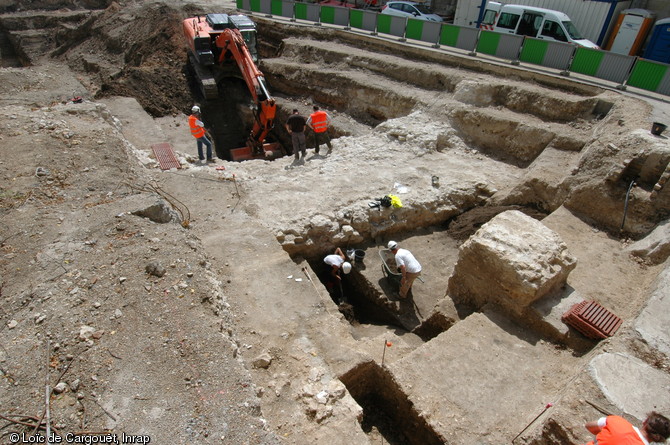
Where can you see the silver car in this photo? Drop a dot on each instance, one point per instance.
(411, 10)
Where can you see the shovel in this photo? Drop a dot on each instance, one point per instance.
(342, 299)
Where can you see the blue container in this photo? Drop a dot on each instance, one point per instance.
(658, 48)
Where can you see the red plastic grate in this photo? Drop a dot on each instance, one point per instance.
(592, 320)
(165, 156)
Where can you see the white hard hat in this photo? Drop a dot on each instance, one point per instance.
(195, 109)
(392, 245)
(346, 267)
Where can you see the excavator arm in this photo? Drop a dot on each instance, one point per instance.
(231, 43)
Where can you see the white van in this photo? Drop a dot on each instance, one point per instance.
(545, 24)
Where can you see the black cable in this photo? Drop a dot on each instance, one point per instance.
(625, 205)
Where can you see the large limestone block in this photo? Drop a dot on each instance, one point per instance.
(513, 260)
(653, 323)
(630, 384)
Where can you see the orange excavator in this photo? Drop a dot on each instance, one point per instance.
(220, 46)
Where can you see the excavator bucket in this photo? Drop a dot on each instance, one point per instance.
(271, 150)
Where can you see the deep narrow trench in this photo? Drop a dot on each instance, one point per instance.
(351, 294)
(225, 117)
(229, 117)
(9, 58)
(388, 415)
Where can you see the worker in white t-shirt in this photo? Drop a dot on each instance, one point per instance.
(408, 265)
(337, 263)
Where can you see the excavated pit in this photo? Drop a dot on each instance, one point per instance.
(9, 57)
(369, 294)
(339, 79)
(357, 299)
(511, 123)
(388, 416)
(515, 125)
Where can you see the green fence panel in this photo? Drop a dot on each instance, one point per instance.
(533, 51)
(240, 4)
(449, 35)
(277, 7)
(356, 18)
(328, 14)
(488, 42)
(647, 75)
(255, 5)
(586, 61)
(301, 11)
(414, 29)
(384, 24)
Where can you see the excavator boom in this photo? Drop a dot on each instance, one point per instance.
(232, 45)
(216, 41)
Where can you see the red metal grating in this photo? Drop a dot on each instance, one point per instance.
(165, 156)
(592, 320)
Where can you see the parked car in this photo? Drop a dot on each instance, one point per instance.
(541, 23)
(411, 10)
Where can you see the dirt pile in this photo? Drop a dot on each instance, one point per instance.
(138, 55)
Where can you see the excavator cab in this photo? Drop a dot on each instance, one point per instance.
(248, 30)
(202, 33)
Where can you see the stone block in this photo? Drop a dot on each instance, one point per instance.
(513, 260)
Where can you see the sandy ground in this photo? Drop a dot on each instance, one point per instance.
(185, 305)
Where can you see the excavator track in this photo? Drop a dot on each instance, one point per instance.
(206, 80)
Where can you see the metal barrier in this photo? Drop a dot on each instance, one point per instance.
(505, 46)
(307, 11)
(625, 70)
(244, 4)
(651, 76)
(550, 54)
(366, 20)
(266, 7)
(335, 15)
(602, 64)
(282, 8)
(391, 24)
(459, 37)
(423, 30)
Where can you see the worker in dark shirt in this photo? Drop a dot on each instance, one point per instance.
(295, 125)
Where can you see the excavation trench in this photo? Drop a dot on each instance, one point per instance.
(368, 295)
(387, 413)
(510, 123)
(9, 57)
(356, 297)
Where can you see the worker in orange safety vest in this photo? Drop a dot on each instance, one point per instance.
(198, 132)
(615, 430)
(319, 122)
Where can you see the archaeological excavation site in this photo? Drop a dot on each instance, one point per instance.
(147, 295)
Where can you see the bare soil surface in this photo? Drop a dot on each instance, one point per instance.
(186, 306)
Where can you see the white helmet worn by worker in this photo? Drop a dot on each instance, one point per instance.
(346, 267)
(392, 245)
(195, 109)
